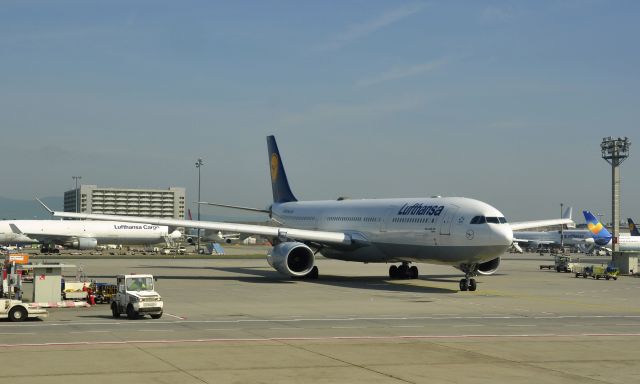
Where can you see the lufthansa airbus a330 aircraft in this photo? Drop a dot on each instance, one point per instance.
(467, 234)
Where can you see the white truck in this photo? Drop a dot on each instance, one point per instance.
(135, 297)
(16, 310)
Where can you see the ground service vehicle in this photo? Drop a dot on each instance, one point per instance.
(135, 297)
(16, 310)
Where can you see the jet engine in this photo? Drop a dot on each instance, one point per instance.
(83, 243)
(489, 267)
(292, 259)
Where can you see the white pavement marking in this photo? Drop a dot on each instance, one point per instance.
(334, 319)
(332, 338)
(177, 317)
(18, 333)
(154, 330)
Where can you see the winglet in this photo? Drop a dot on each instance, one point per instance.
(45, 206)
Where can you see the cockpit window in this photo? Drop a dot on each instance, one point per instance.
(479, 220)
(488, 219)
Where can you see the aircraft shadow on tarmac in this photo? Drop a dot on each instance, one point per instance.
(263, 275)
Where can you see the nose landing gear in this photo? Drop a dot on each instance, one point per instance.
(468, 283)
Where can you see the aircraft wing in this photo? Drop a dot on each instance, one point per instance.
(539, 223)
(515, 240)
(325, 237)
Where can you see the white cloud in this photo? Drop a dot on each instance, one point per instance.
(401, 73)
(361, 30)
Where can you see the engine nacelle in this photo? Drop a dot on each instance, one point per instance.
(489, 267)
(291, 258)
(83, 243)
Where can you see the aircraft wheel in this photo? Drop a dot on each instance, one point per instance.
(472, 284)
(393, 271)
(314, 273)
(413, 272)
(463, 285)
(403, 271)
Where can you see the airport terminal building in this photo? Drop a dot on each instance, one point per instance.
(163, 203)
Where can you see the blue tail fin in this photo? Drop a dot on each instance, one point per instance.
(600, 234)
(632, 228)
(279, 184)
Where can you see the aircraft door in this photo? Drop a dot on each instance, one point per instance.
(386, 219)
(447, 219)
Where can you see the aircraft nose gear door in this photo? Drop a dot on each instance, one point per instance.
(445, 225)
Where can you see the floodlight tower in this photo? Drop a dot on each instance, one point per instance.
(615, 151)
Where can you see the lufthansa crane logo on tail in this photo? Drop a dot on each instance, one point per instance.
(274, 167)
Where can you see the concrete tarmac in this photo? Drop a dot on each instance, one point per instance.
(238, 321)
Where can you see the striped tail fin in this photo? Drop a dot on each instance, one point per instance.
(600, 234)
(279, 183)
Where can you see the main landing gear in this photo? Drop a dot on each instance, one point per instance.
(403, 271)
(49, 248)
(468, 283)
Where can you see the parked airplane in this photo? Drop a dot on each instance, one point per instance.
(465, 233)
(575, 237)
(80, 234)
(633, 228)
(534, 239)
(603, 238)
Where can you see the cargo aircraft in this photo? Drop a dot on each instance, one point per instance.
(465, 233)
(78, 234)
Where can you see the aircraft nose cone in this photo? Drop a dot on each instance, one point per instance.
(503, 234)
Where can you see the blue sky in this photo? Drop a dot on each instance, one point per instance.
(504, 101)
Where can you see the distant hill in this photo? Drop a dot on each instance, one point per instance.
(16, 209)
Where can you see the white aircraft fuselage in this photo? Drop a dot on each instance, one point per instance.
(70, 231)
(434, 230)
